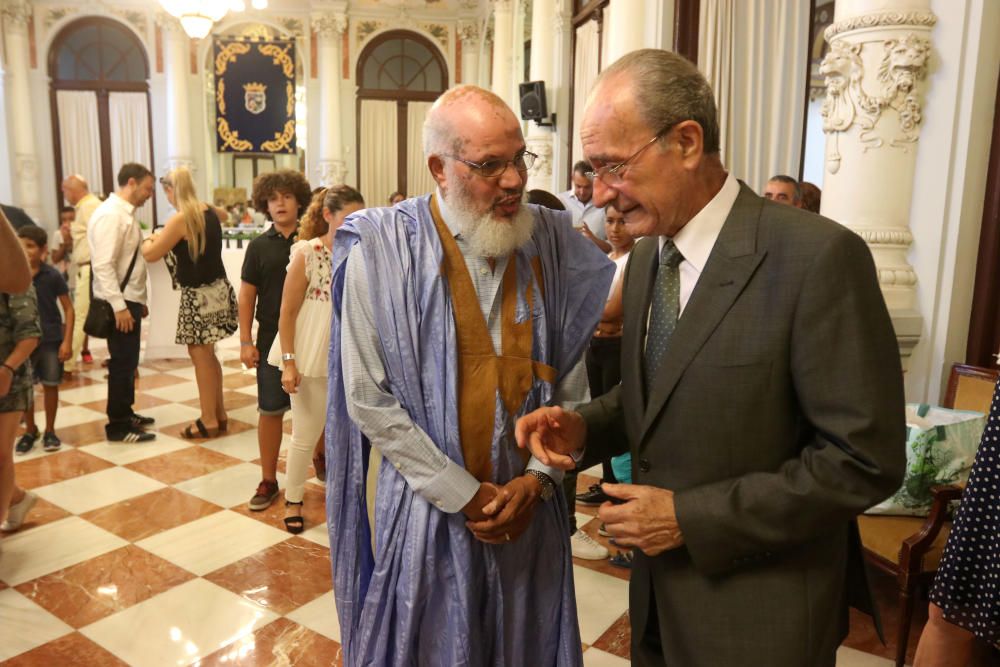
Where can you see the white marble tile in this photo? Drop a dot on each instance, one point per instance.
(849, 657)
(123, 453)
(594, 657)
(319, 534)
(229, 487)
(250, 389)
(34, 553)
(25, 625)
(206, 544)
(180, 626)
(594, 471)
(583, 519)
(247, 414)
(69, 415)
(320, 616)
(182, 391)
(172, 413)
(94, 392)
(600, 601)
(88, 492)
(36, 452)
(242, 446)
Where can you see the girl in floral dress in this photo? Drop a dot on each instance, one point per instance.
(304, 336)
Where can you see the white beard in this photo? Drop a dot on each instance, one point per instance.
(490, 236)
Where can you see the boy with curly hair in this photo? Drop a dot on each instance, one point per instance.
(283, 195)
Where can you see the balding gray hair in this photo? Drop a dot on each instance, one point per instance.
(439, 134)
(668, 89)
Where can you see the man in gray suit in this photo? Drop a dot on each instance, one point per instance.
(761, 398)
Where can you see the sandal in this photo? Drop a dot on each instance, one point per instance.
(201, 433)
(294, 524)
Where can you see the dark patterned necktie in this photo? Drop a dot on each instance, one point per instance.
(664, 310)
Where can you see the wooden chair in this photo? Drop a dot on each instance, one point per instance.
(910, 548)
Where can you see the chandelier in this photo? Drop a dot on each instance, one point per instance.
(198, 16)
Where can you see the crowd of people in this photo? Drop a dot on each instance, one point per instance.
(658, 319)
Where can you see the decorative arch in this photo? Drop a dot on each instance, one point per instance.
(102, 55)
(398, 66)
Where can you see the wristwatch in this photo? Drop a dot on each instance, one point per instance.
(288, 356)
(548, 486)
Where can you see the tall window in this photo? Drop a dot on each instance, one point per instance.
(100, 103)
(400, 74)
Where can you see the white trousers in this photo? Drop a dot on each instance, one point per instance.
(308, 421)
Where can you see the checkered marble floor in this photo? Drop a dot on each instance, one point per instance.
(146, 554)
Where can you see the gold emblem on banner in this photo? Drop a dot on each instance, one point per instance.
(290, 105)
(232, 138)
(282, 140)
(280, 56)
(227, 54)
(255, 97)
(220, 96)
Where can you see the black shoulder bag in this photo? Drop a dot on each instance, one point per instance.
(100, 320)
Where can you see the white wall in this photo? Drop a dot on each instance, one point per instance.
(949, 185)
(813, 163)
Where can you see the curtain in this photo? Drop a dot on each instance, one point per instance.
(379, 152)
(755, 53)
(418, 176)
(584, 74)
(129, 118)
(80, 136)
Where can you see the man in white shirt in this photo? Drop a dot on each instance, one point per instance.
(78, 194)
(114, 236)
(587, 217)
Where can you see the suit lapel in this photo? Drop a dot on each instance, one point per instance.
(731, 264)
(637, 295)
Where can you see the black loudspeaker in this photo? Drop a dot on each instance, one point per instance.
(533, 100)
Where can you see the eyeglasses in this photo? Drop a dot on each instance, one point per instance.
(615, 175)
(165, 183)
(492, 168)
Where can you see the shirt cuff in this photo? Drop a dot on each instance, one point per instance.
(555, 474)
(117, 303)
(451, 489)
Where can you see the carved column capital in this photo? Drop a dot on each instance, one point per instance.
(329, 24)
(468, 31)
(16, 14)
(502, 5)
(332, 172)
(884, 19)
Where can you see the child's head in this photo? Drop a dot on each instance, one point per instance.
(34, 241)
(283, 195)
(614, 229)
(66, 215)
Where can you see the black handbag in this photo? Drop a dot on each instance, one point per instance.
(100, 322)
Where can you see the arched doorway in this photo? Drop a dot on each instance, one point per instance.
(99, 93)
(400, 74)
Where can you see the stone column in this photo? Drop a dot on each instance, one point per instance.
(468, 34)
(875, 76)
(539, 140)
(329, 30)
(503, 36)
(626, 21)
(22, 127)
(177, 64)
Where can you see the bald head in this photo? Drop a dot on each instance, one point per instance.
(75, 188)
(461, 115)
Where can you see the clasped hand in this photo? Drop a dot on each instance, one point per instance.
(552, 435)
(647, 520)
(507, 511)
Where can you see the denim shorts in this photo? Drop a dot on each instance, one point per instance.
(47, 367)
(271, 398)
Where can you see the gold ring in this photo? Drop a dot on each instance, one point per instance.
(507, 535)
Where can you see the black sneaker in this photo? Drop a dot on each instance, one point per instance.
(130, 434)
(140, 421)
(51, 442)
(594, 497)
(267, 491)
(26, 442)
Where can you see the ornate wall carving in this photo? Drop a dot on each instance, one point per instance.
(881, 20)
(902, 63)
(329, 25)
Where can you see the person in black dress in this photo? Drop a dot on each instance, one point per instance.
(191, 243)
(965, 599)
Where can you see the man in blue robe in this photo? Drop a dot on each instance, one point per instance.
(454, 314)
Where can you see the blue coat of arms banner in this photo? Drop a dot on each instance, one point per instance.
(254, 96)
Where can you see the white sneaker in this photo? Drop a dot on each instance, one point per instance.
(586, 547)
(17, 512)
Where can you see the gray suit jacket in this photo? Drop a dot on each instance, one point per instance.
(777, 418)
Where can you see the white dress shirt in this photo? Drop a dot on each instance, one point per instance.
(378, 414)
(697, 238)
(114, 235)
(585, 213)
